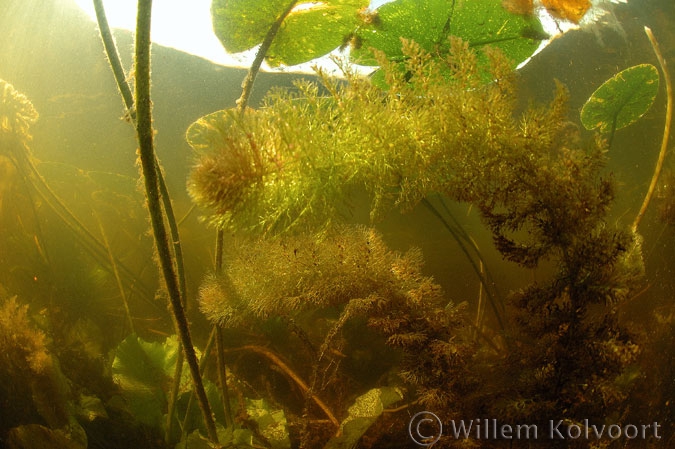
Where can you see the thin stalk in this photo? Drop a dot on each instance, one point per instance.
(220, 345)
(242, 103)
(180, 269)
(222, 378)
(173, 394)
(150, 177)
(89, 242)
(666, 131)
(202, 364)
(484, 271)
(247, 84)
(114, 58)
(292, 375)
(127, 97)
(118, 279)
(492, 300)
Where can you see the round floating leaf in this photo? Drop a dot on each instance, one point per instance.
(420, 21)
(430, 22)
(622, 99)
(309, 31)
(243, 24)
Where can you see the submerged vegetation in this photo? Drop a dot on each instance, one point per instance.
(538, 190)
(323, 336)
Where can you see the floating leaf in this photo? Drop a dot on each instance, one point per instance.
(362, 414)
(309, 31)
(429, 23)
(622, 99)
(421, 21)
(243, 24)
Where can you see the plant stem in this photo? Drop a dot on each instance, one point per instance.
(242, 103)
(127, 97)
(150, 177)
(247, 84)
(118, 279)
(292, 375)
(114, 58)
(23, 162)
(481, 275)
(666, 131)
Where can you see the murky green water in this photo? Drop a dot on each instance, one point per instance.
(438, 250)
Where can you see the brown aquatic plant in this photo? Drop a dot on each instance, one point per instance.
(350, 276)
(25, 347)
(17, 113)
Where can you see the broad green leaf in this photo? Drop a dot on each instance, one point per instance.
(207, 132)
(309, 31)
(431, 22)
(362, 414)
(243, 24)
(271, 422)
(143, 371)
(486, 22)
(423, 21)
(312, 33)
(622, 99)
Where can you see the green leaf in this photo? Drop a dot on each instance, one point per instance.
(143, 371)
(431, 22)
(423, 21)
(485, 22)
(310, 34)
(271, 423)
(622, 99)
(309, 31)
(207, 132)
(362, 414)
(243, 24)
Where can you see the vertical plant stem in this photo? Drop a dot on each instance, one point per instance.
(127, 97)
(118, 279)
(481, 275)
(666, 131)
(114, 58)
(222, 378)
(150, 177)
(242, 103)
(220, 344)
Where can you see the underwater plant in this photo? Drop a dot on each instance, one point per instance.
(348, 280)
(307, 283)
(626, 97)
(29, 369)
(538, 190)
